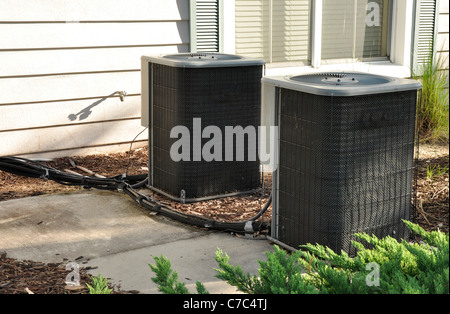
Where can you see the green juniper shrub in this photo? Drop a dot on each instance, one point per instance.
(388, 267)
(99, 285)
(167, 280)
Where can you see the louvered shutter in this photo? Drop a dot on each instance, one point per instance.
(205, 25)
(425, 31)
(275, 30)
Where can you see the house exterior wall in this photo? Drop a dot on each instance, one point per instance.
(63, 62)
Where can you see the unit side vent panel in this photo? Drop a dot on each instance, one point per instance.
(346, 166)
(226, 96)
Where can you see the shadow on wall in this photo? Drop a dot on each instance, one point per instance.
(183, 10)
(86, 112)
(73, 130)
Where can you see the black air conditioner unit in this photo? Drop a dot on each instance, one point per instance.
(194, 91)
(346, 157)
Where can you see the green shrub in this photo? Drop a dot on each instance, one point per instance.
(167, 280)
(436, 171)
(403, 267)
(388, 267)
(99, 285)
(280, 274)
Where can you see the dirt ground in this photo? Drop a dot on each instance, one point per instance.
(226, 209)
(432, 201)
(433, 189)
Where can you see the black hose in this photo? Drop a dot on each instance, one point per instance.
(248, 226)
(127, 184)
(19, 170)
(28, 168)
(269, 201)
(140, 184)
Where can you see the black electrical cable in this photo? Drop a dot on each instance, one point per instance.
(266, 206)
(28, 168)
(249, 226)
(127, 184)
(140, 184)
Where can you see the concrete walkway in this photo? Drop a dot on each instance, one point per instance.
(114, 235)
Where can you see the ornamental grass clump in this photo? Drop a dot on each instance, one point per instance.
(433, 119)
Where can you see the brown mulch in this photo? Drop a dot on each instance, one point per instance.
(225, 209)
(22, 277)
(30, 277)
(16, 276)
(108, 165)
(433, 191)
(229, 209)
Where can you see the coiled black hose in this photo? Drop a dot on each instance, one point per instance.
(127, 184)
(248, 226)
(28, 168)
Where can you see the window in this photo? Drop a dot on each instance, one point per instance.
(354, 29)
(291, 33)
(280, 30)
(274, 30)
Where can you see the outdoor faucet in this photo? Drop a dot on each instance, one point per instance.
(122, 95)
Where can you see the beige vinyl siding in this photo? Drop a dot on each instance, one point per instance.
(63, 62)
(346, 34)
(277, 31)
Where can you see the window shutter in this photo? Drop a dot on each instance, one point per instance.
(425, 31)
(205, 25)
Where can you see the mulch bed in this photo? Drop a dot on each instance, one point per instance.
(22, 277)
(433, 195)
(30, 277)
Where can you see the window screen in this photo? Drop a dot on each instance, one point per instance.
(354, 29)
(275, 30)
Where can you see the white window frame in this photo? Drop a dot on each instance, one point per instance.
(399, 43)
(228, 27)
